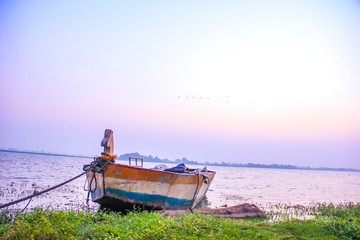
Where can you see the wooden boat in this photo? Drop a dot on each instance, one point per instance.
(122, 186)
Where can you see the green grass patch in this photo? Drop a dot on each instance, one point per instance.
(328, 222)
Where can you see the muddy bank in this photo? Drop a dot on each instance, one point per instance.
(237, 211)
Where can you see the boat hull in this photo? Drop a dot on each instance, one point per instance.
(123, 186)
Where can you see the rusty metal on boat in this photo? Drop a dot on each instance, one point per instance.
(122, 186)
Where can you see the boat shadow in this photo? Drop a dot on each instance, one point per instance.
(126, 208)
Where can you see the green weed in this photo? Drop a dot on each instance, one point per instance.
(328, 222)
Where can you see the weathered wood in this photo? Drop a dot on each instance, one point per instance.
(108, 142)
(150, 188)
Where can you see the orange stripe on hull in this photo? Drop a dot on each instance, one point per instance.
(142, 174)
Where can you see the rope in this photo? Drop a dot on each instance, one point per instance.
(195, 193)
(91, 190)
(42, 192)
(94, 168)
(97, 165)
(26, 205)
(90, 184)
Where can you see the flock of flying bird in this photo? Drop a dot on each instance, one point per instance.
(217, 99)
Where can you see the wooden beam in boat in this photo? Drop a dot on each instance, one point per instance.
(108, 142)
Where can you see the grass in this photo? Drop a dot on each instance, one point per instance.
(327, 221)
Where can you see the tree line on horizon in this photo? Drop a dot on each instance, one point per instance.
(184, 160)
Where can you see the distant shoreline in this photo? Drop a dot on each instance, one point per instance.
(186, 161)
(224, 164)
(49, 154)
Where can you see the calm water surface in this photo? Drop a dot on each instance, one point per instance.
(21, 174)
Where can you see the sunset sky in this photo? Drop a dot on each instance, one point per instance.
(234, 81)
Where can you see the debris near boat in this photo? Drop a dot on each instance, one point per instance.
(237, 211)
(118, 186)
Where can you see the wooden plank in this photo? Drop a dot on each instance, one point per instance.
(108, 142)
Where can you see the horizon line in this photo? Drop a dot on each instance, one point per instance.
(257, 165)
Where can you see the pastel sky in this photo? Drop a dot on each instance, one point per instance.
(234, 81)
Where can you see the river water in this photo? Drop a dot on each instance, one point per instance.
(22, 173)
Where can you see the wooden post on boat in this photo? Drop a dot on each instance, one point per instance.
(108, 142)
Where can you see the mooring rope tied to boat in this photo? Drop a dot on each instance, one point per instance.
(195, 193)
(90, 190)
(28, 202)
(87, 168)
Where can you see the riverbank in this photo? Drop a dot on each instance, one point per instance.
(321, 221)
